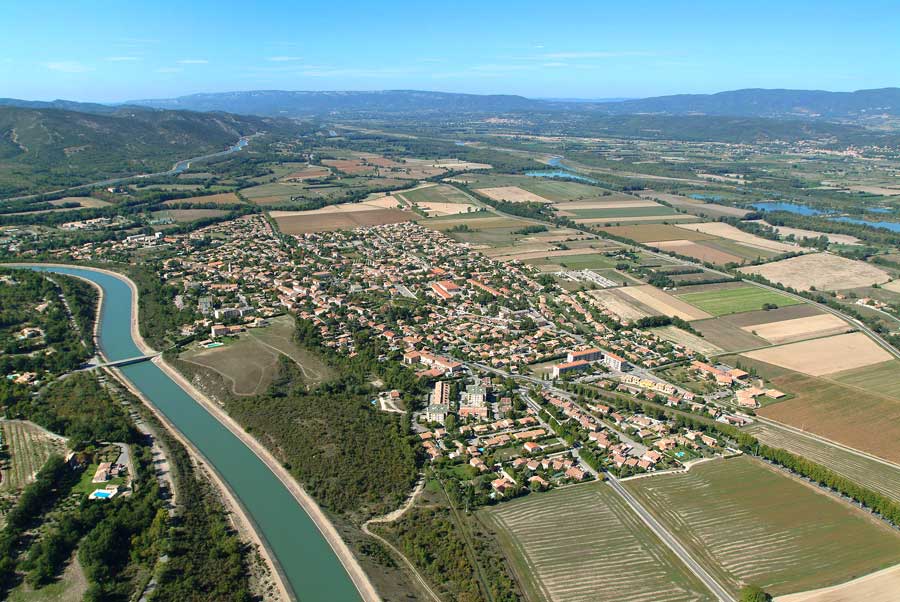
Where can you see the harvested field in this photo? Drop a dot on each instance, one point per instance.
(349, 166)
(791, 312)
(877, 476)
(722, 333)
(29, 446)
(663, 302)
(820, 270)
(435, 193)
(438, 209)
(621, 305)
(883, 378)
(688, 339)
(698, 251)
(748, 522)
(577, 260)
(583, 544)
(225, 198)
(383, 202)
(798, 329)
(655, 232)
(654, 217)
(881, 586)
(695, 206)
(290, 222)
(729, 232)
(893, 286)
(513, 194)
(734, 300)
(824, 356)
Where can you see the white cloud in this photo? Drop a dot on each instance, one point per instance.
(193, 62)
(284, 59)
(122, 59)
(68, 67)
(591, 54)
(169, 70)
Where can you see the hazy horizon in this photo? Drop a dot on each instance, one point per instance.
(583, 50)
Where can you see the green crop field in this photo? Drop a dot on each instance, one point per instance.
(747, 522)
(736, 300)
(622, 212)
(583, 543)
(878, 378)
(873, 474)
(558, 191)
(586, 261)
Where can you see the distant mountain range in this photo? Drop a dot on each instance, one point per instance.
(792, 104)
(808, 104)
(860, 106)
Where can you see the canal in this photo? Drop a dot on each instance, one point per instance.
(311, 568)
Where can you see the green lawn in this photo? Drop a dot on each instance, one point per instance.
(736, 300)
(586, 261)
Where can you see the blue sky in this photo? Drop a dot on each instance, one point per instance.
(102, 50)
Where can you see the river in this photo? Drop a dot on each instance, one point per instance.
(310, 566)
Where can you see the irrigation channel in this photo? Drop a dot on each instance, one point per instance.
(309, 565)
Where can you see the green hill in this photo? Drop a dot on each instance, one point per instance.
(44, 149)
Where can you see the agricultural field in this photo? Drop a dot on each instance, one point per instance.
(574, 261)
(746, 521)
(618, 212)
(650, 233)
(250, 363)
(28, 446)
(664, 303)
(583, 544)
(733, 300)
(225, 198)
(883, 378)
(439, 200)
(722, 333)
(882, 586)
(729, 232)
(800, 233)
(799, 329)
(698, 250)
(512, 194)
(824, 356)
(83, 201)
(821, 271)
(852, 416)
(615, 301)
(877, 476)
(302, 222)
(188, 215)
(695, 206)
(688, 339)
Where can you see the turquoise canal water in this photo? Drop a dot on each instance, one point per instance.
(311, 567)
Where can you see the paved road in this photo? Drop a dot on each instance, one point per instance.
(667, 538)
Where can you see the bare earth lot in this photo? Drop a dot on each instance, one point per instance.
(822, 270)
(513, 194)
(620, 304)
(824, 356)
(749, 522)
